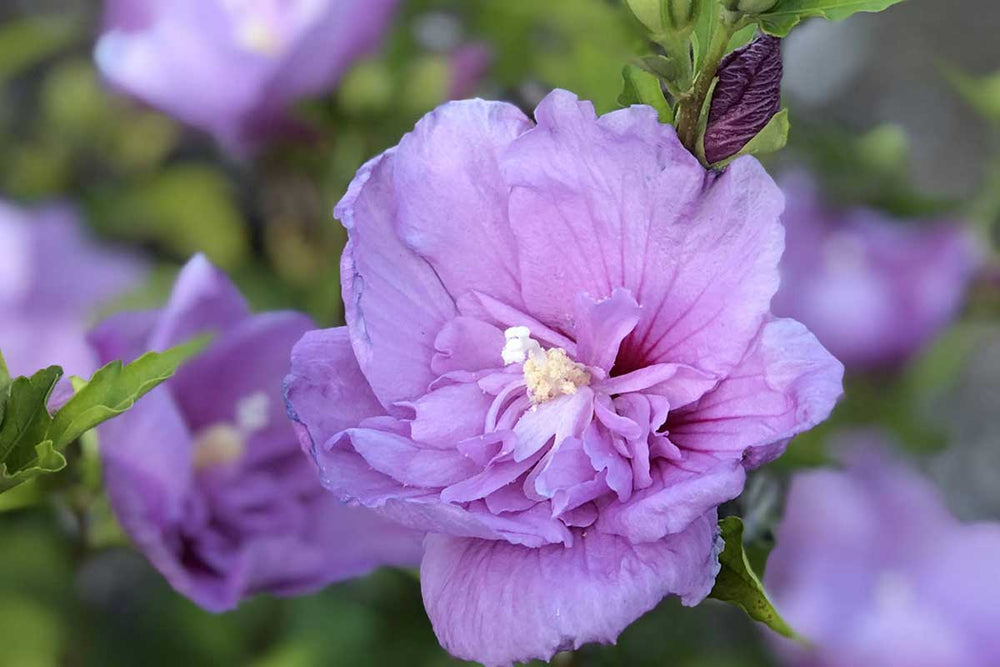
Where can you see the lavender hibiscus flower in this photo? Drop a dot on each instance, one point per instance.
(51, 279)
(233, 67)
(874, 290)
(558, 361)
(872, 569)
(206, 474)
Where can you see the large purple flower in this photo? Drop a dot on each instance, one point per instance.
(51, 279)
(233, 67)
(205, 473)
(873, 290)
(872, 569)
(558, 361)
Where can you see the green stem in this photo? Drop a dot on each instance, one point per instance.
(691, 105)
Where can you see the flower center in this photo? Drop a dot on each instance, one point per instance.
(254, 24)
(547, 373)
(223, 443)
(217, 445)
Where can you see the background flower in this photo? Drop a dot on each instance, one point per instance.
(52, 278)
(558, 361)
(233, 67)
(206, 475)
(874, 290)
(872, 568)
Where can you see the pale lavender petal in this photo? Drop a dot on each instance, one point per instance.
(467, 344)
(325, 391)
(395, 302)
(409, 462)
(598, 445)
(498, 603)
(681, 492)
(601, 326)
(438, 423)
(699, 253)
(787, 384)
(560, 418)
(452, 201)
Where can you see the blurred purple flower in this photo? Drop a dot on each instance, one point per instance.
(746, 97)
(233, 67)
(558, 362)
(469, 64)
(873, 290)
(872, 570)
(205, 473)
(51, 279)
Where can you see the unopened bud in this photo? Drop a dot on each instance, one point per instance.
(746, 97)
(749, 6)
(756, 6)
(648, 13)
(664, 16)
(681, 14)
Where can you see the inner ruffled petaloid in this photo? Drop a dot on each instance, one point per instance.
(533, 425)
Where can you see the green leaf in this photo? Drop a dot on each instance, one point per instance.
(788, 13)
(25, 449)
(115, 388)
(737, 584)
(32, 440)
(641, 87)
(772, 138)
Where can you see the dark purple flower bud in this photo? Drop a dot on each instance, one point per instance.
(746, 97)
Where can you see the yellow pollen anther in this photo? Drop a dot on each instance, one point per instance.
(553, 374)
(218, 444)
(223, 443)
(547, 373)
(257, 37)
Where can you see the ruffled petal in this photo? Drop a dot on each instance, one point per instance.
(498, 603)
(681, 491)
(601, 326)
(787, 384)
(395, 302)
(450, 414)
(203, 300)
(467, 344)
(452, 199)
(411, 463)
(616, 201)
(325, 391)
